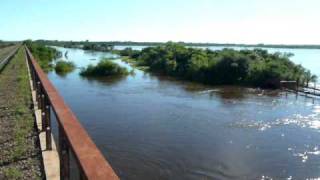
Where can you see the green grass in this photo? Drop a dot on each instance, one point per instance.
(43, 54)
(12, 173)
(23, 115)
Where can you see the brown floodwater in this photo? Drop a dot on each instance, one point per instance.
(153, 127)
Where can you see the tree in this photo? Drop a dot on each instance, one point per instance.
(251, 67)
(314, 78)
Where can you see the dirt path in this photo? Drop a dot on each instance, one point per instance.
(20, 156)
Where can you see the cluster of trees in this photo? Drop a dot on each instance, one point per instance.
(104, 68)
(245, 67)
(129, 52)
(97, 47)
(224, 67)
(44, 54)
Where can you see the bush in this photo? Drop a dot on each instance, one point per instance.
(63, 67)
(104, 68)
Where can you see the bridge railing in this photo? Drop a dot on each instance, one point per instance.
(72, 136)
(295, 87)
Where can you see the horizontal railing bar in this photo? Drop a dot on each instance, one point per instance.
(90, 159)
(312, 88)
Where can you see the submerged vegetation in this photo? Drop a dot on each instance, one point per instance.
(254, 67)
(223, 67)
(43, 54)
(64, 67)
(104, 68)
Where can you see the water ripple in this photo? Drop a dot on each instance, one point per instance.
(309, 121)
(305, 154)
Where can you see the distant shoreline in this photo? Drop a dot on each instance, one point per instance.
(133, 43)
(219, 45)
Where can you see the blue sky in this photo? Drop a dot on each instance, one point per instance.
(221, 21)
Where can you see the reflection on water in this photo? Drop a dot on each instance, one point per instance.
(313, 151)
(308, 121)
(108, 81)
(63, 74)
(155, 127)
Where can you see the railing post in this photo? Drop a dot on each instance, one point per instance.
(33, 79)
(81, 175)
(32, 73)
(38, 90)
(48, 139)
(64, 156)
(48, 123)
(43, 112)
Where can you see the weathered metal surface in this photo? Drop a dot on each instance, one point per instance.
(90, 160)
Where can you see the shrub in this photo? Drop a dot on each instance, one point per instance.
(104, 68)
(63, 67)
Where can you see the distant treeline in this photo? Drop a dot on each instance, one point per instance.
(6, 44)
(222, 67)
(109, 44)
(85, 45)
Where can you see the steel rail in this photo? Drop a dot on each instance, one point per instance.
(6, 60)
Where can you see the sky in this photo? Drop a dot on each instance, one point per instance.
(215, 21)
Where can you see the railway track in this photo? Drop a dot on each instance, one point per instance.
(20, 156)
(6, 55)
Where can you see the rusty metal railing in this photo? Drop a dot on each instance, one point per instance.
(72, 136)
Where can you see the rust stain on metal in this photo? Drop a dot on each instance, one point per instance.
(90, 159)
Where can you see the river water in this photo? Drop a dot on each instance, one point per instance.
(153, 127)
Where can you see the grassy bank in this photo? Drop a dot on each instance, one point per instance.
(43, 54)
(20, 156)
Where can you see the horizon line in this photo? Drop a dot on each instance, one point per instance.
(161, 42)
